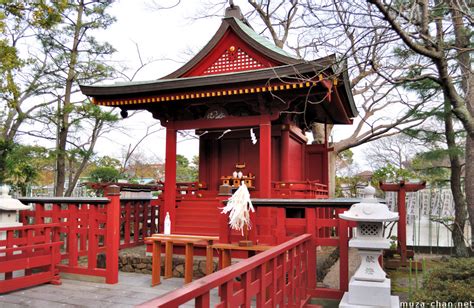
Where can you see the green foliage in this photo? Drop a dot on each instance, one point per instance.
(21, 165)
(451, 281)
(6, 147)
(85, 58)
(104, 174)
(347, 156)
(393, 242)
(107, 161)
(390, 173)
(430, 171)
(186, 172)
(19, 17)
(347, 181)
(87, 110)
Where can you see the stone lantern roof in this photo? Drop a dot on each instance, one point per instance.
(369, 209)
(7, 203)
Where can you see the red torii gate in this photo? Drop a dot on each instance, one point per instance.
(402, 188)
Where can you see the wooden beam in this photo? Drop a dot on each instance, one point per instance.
(227, 122)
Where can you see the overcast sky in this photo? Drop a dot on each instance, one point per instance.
(164, 38)
(167, 37)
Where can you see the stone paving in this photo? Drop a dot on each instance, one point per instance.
(132, 289)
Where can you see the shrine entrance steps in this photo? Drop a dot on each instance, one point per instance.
(199, 216)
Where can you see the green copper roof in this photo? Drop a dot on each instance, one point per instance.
(261, 39)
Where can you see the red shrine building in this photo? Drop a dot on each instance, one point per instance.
(250, 103)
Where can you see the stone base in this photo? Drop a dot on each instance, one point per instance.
(369, 292)
(135, 260)
(394, 303)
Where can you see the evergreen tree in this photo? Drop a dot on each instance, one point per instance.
(77, 58)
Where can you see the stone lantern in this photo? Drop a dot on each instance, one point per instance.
(369, 286)
(8, 210)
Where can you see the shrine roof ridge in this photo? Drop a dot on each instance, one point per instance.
(262, 40)
(260, 43)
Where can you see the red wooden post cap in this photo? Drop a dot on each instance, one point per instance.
(113, 190)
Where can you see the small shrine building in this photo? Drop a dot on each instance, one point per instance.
(250, 103)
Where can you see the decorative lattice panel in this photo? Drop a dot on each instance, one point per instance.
(233, 59)
(368, 229)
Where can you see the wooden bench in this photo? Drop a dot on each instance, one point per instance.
(188, 241)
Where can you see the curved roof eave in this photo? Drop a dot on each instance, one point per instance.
(347, 84)
(316, 66)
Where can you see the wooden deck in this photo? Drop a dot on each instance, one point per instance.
(132, 289)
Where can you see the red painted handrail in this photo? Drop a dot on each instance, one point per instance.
(300, 189)
(278, 275)
(30, 227)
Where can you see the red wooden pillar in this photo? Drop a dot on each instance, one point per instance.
(112, 234)
(170, 177)
(92, 246)
(285, 153)
(265, 158)
(265, 170)
(402, 226)
(310, 214)
(343, 252)
(224, 231)
(402, 188)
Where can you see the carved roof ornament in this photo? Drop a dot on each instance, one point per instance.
(234, 11)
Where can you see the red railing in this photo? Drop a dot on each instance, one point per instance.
(300, 189)
(32, 250)
(327, 230)
(189, 189)
(322, 223)
(88, 227)
(92, 227)
(139, 219)
(280, 277)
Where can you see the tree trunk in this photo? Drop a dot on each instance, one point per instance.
(462, 41)
(67, 106)
(94, 136)
(61, 156)
(332, 174)
(460, 213)
(469, 183)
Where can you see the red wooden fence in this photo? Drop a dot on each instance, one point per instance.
(322, 223)
(138, 220)
(300, 189)
(276, 277)
(88, 227)
(32, 252)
